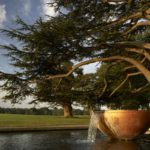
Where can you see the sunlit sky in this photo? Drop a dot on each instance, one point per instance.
(29, 11)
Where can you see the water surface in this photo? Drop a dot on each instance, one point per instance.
(67, 140)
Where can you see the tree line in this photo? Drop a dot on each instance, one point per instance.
(40, 111)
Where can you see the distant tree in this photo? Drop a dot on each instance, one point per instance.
(41, 53)
(124, 96)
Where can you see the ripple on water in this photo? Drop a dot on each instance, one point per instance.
(67, 140)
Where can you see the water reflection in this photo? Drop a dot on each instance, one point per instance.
(115, 145)
(66, 140)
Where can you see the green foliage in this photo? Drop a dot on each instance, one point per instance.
(125, 97)
(42, 53)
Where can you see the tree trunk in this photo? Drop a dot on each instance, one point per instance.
(67, 110)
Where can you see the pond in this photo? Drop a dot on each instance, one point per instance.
(67, 140)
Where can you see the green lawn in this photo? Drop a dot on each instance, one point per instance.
(13, 120)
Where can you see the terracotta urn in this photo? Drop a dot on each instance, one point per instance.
(123, 124)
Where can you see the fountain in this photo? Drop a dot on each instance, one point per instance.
(92, 128)
(120, 124)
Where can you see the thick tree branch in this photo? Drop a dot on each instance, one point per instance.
(125, 18)
(57, 85)
(136, 63)
(123, 82)
(131, 67)
(143, 23)
(104, 88)
(140, 89)
(116, 1)
(105, 80)
(138, 44)
(125, 44)
(139, 51)
(119, 86)
(139, 14)
(147, 14)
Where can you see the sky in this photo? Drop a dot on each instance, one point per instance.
(29, 11)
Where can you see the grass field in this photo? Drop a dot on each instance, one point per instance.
(13, 120)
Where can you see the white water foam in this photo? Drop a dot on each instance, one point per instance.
(92, 131)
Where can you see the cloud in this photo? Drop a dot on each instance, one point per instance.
(47, 10)
(2, 14)
(27, 7)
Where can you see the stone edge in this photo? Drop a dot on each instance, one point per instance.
(46, 128)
